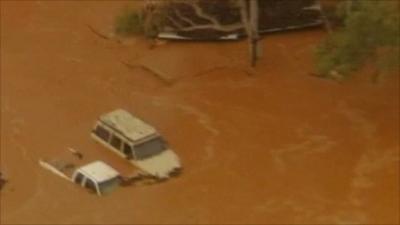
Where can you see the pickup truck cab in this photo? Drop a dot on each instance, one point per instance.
(96, 176)
(138, 142)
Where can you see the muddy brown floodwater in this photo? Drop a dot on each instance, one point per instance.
(280, 146)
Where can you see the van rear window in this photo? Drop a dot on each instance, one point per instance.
(102, 133)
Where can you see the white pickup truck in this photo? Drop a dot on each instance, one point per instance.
(96, 176)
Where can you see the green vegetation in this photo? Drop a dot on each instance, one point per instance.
(129, 23)
(147, 21)
(369, 31)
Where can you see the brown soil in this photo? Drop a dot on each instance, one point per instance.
(280, 146)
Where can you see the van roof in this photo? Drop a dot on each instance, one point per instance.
(130, 126)
(99, 171)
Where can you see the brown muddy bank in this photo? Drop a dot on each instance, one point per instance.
(280, 146)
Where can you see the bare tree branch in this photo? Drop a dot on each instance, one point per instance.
(185, 19)
(200, 13)
(174, 22)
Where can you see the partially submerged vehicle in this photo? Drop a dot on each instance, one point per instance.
(138, 142)
(96, 176)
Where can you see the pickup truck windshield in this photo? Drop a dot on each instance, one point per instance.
(108, 186)
(149, 148)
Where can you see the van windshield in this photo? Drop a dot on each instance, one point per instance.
(149, 148)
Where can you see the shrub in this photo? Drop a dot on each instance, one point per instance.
(130, 22)
(370, 30)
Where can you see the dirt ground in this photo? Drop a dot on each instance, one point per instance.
(279, 146)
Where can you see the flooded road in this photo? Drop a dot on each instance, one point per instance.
(278, 147)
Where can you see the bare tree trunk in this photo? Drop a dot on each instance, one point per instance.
(249, 14)
(324, 17)
(254, 36)
(244, 15)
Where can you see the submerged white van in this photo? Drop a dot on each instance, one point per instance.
(138, 142)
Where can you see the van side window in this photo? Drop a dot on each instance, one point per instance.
(78, 178)
(102, 133)
(116, 142)
(128, 151)
(90, 185)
